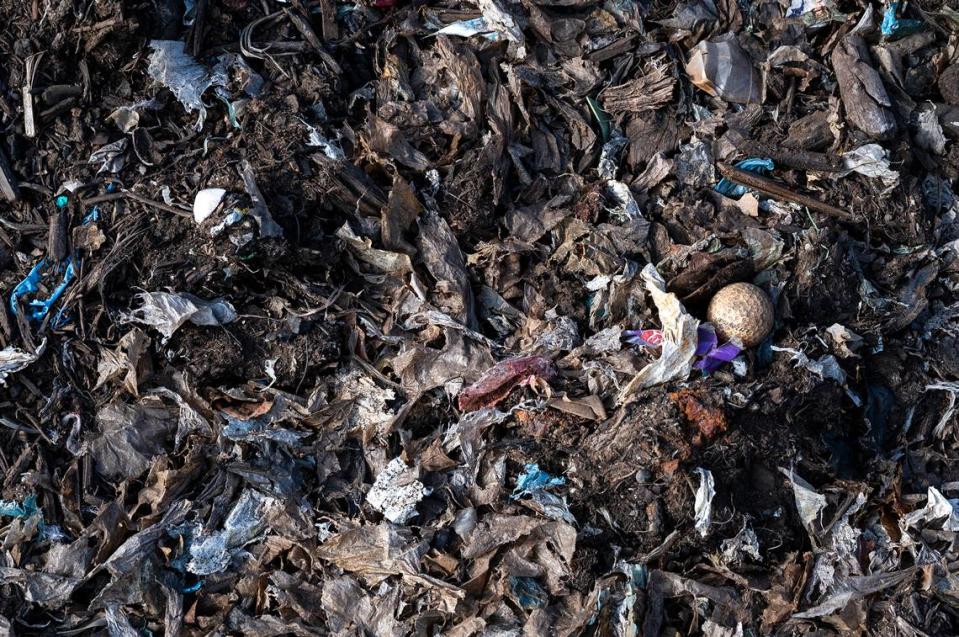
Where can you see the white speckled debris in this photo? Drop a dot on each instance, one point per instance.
(396, 492)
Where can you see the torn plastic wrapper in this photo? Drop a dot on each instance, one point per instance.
(722, 69)
(758, 165)
(396, 492)
(679, 338)
(871, 160)
(111, 157)
(247, 519)
(531, 491)
(177, 70)
(166, 312)
(534, 479)
(469, 28)
(13, 360)
(815, 14)
(809, 503)
(704, 500)
(713, 355)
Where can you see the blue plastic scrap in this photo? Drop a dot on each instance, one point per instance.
(39, 308)
(534, 479)
(758, 165)
(11, 509)
(893, 27)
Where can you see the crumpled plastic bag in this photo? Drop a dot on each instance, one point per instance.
(938, 509)
(680, 338)
(13, 360)
(871, 160)
(166, 312)
(187, 79)
(396, 492)
(721, 68)
(212, 553)
(111, 157)
(704, 500)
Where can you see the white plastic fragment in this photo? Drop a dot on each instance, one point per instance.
(809, 503)
(744, 543)
(206, 202)
(679, 338)
(469, 28)
(825, 366)
(187, 79)
(952, 389)
(937, 508)
(166, 312)
(330, 148)
(396, 492)
(212, 553)
(871, 160)
(13, 360)
(704, 500)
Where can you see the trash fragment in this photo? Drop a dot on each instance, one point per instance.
(396, 492)
(704, 500)
(211, 553)
(206, 202)
(13, 360)
(497, 382)
(166, 312)
(755, 165)
(721, 68)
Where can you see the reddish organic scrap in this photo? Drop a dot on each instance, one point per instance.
(498, 381)
(708, 420)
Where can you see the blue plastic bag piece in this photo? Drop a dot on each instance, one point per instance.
(38, 309)
(192, 588)
(534, 479)
(528, 592)
(758, 165)
(11, 509)
(893, 27)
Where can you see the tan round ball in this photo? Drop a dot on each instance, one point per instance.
(741, 310)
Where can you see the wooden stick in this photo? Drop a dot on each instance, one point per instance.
(792, 157)
(113, 196)
(775, 189)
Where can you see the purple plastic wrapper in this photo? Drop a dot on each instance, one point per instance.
(707, 338)
(718, 357)
(713, 356)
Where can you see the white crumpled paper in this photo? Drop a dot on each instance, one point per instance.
(396, 492)
(166, 312)
(704, 500)
(679, 338)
